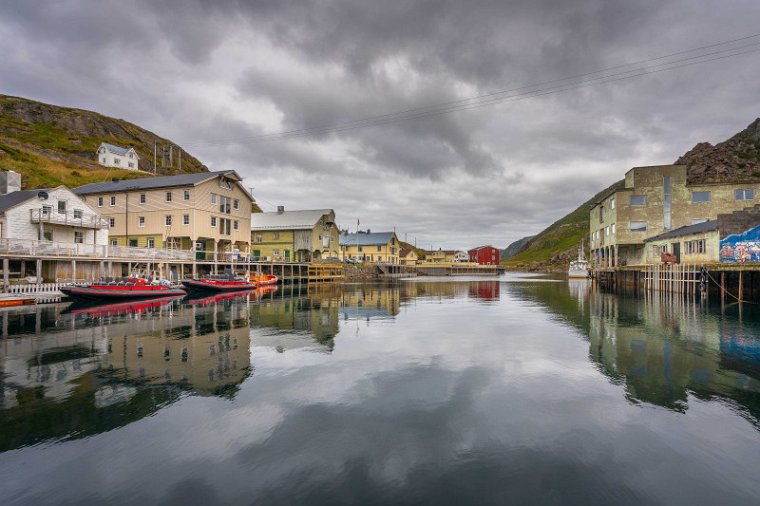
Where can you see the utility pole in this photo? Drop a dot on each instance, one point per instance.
(171, 153)
(180, 158)
(155, 147)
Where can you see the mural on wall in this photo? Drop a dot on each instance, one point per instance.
(741, 248)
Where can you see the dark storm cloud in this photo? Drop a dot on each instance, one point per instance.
(214, 75)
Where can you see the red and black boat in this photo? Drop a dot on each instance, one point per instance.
(121, 289)
(223, 283)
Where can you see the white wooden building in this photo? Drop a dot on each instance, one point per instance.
(51, 215)
(114, 156)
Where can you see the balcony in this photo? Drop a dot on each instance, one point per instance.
(68, 219)
(47, 249)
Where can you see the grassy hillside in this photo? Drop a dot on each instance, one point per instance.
(557, 245)
(51, 145)
(420, 252)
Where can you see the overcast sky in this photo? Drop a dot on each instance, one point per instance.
(214, 75)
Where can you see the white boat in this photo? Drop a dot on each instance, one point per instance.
(579, 268)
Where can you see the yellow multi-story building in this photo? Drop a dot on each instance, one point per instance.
(298, 236)
(655, 201)
(380, 247)
(208, 212)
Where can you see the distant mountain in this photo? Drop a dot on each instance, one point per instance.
(515, 248)
(736, 160)
(554, 247)
(51, 145)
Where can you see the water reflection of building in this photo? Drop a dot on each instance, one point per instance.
(311, 311)
(84, 374)
(370, 301)
(481, 290)
(664, 350)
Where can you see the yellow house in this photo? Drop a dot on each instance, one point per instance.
(380, 247)
(299, 236)
(446, 256)
(408, 257)
(208, 212)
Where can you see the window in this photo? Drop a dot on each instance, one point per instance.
(213, 198)
(638, 226)
(747, 194)
(100, 201)
(638, 200)
(130, 155)
(236, 224)
(104, 160)
(168, 196)
(61, 207)
(111, 222)
(186, 195)
(276, 252)
(113, 200)
(185, 219)
(379, 248)
(77, 214)
(47, 235)
(151, 242)
(225, 183)
(213, 221)
(142, 198)
(700, 197)
(612, 204)
(168, 220)
(114, 242)
(78, 237)
(607, 230)
(236, 204)
(258, 238)
(133, 243)
(275, 236)
(116, 161)
(658, 250)
(612, 229)
(695, 247)
(141, 221)
(131, 165)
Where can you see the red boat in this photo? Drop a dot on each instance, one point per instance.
(123, 289)
(264, 279)
(227, 283)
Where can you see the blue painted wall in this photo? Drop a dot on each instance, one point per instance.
(741, 248)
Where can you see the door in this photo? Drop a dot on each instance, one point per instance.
(677, 251)
(200, 246)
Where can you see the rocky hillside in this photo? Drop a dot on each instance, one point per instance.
(736, 160)
(51, 145)
(515, 248)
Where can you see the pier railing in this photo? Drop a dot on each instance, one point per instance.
(74, 219)
(32, 248)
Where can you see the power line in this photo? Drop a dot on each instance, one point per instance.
(500, 96)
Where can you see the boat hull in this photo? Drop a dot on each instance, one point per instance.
(218, 287)
(265, 279)
(89, 293)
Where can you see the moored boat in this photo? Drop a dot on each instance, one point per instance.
(264, 279)
(227, 283)
(122, 289)
(579, 268)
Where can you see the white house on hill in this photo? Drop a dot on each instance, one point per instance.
(114, 156)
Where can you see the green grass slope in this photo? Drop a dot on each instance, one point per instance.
(51, 145)
(557, 245)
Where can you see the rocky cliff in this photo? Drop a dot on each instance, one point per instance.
(736, 160)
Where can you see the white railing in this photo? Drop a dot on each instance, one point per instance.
(56, 218)
(35, 288)
(26, 247)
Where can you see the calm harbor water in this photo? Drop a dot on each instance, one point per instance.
(518, 390)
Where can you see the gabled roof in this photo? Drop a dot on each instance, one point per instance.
(363, 239)
(115, 149)
(15, 198)
(288, 220)
(404, 252)
(481, 247)
(698, 228)
(148, 183)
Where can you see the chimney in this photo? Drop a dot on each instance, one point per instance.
(280, 209)
(369, 231)
(9, 182)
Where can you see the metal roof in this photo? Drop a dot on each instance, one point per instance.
(289, 220)
(115, 149)
(366, 239)
(697, 228)
(147, 183)
(15, 198)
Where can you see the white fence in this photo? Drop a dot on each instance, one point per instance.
(25, 247)
(34, 288)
